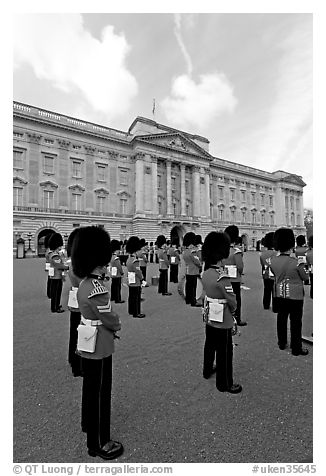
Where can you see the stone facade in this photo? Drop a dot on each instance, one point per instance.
(69, 173)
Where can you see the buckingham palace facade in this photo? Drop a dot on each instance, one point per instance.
(68, 172)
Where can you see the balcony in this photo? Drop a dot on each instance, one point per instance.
(56, 211)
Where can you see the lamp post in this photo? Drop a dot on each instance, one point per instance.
(29, 237)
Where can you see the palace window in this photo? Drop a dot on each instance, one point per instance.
(262, 199)
(18, 196)
(159, 181)
(18, 159)
(188, 209)
(297, 203)
(76, 201)
(187, 186)
(233, 216)
(159, 203)
(48, 164)
(221, 214)
(292, 219)
(101, 173)
(123, 177)
(272, 218)
(253, 217)
(262, 218)
(243, 196)
(100, 203)
(286, 201)
(221, 192)
(244, 217)
(298, 220)
(271, 200)
(291, 203)
(173, 180)
(123, 205)
(48, 199)
(76, 169)
(174, 208)
(232, 194)
(253, 198)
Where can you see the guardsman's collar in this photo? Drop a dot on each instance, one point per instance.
(100, 277)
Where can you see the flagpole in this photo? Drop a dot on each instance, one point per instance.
(153, 110)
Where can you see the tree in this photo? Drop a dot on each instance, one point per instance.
(308, 221)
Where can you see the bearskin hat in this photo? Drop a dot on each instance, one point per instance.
(115, 245)
(233, 232)
(71, 239)
(160, 241)
(283, 239)
(46, 239)
(198, 240)
(55, 241)
(300, 240)
(142, 242)
(91, 248)
(133, 244)
(268, 240)
(189, 239)
(215, 248)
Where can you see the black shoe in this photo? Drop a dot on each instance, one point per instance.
(282, 347)
(301, 352)
(111, 450)
(196, 305)
(242, 323)
(119, 302)
(139, 315)
(207, 375)
(60, 310)
(235, 388)
(167, 294)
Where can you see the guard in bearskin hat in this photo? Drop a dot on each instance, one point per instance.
(234, 265)
(219, 308)
(289, 291)
(268, 277)
(47, 263)
(174, 259)
(56, 270)
(309, 258)
(135, 277)
(164, 264)
(193, 268)
(116, 272)
(142, 256)
(90, 256)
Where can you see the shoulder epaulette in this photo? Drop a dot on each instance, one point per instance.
(237, 250)
(98, 289)
(221, 273)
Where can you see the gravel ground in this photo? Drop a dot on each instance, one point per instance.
(162, 409)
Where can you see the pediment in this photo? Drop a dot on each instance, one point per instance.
(19, 180)
(102, 190)
(295, 179)
(76, 188)
(174, 141)
(48, 183)
(123, 193)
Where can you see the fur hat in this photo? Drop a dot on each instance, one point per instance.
(71, 239)
(142, 242)
(233, 232)
(198, 240)
(215, 248)
(300, 240)
(284, 239)
(268, 240)
(55, 241)
(91, 248)
(189, 239)
(133, 244)
(115, 245)
(160, 241)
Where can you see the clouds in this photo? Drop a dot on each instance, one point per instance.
(198, 104)
(60, 50)
(194, 103)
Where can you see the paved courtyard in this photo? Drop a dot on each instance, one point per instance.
(162, 408)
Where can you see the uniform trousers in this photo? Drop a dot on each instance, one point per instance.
(268, 292)
(236, 286)
(116, 289)
(56, 289)
(143, 270)
(292, 308)
(96, 400)
(191, 285)
(163, 281)
(151, 255)
(311, 284)
(174, 268)
(134, 300)
(218, 344)
(48, 287)
(73, 358)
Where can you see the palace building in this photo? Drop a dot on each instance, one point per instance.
(68, 172)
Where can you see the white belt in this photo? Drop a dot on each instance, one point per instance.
(220, 301)
(89, 322)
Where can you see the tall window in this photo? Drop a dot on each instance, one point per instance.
(262, 218)
(262, 199)
(243, 196)
(48, 164)
(299, 220)
(271, 200)
(76, 169)
(292, 219)
(123, 177)
(291, 203)
(253, 217)
(286, 201)
(100, 203)
(187, 209)
(18, 159)
(187, 186)
(101, 173)
(76, 201)
(243, 216)
(18, 196)
(232, 216)
(173, 180)
(123, 205)
(297, 203)
(221, 192)
(232, 194)
(272, 218)
(253, 198)
(48, 199)
(221, 214)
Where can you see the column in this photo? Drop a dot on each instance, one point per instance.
(207, 193)
(168, 188)
(183, 188)
(154, 185)
(195, 192)
(139, 183)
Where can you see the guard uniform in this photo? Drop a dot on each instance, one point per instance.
(74, 358)
(218, 342)
(56, 262)
(234, 265)
(135, 279)
(163, 268)
(95, 307)
(47, 265)
(268, 277)
(309, 259)
(142, 256)
(289, 295)
(116, 273)
(193, 267)
(174, 258)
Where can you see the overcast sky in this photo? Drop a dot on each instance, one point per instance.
(242, 80)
